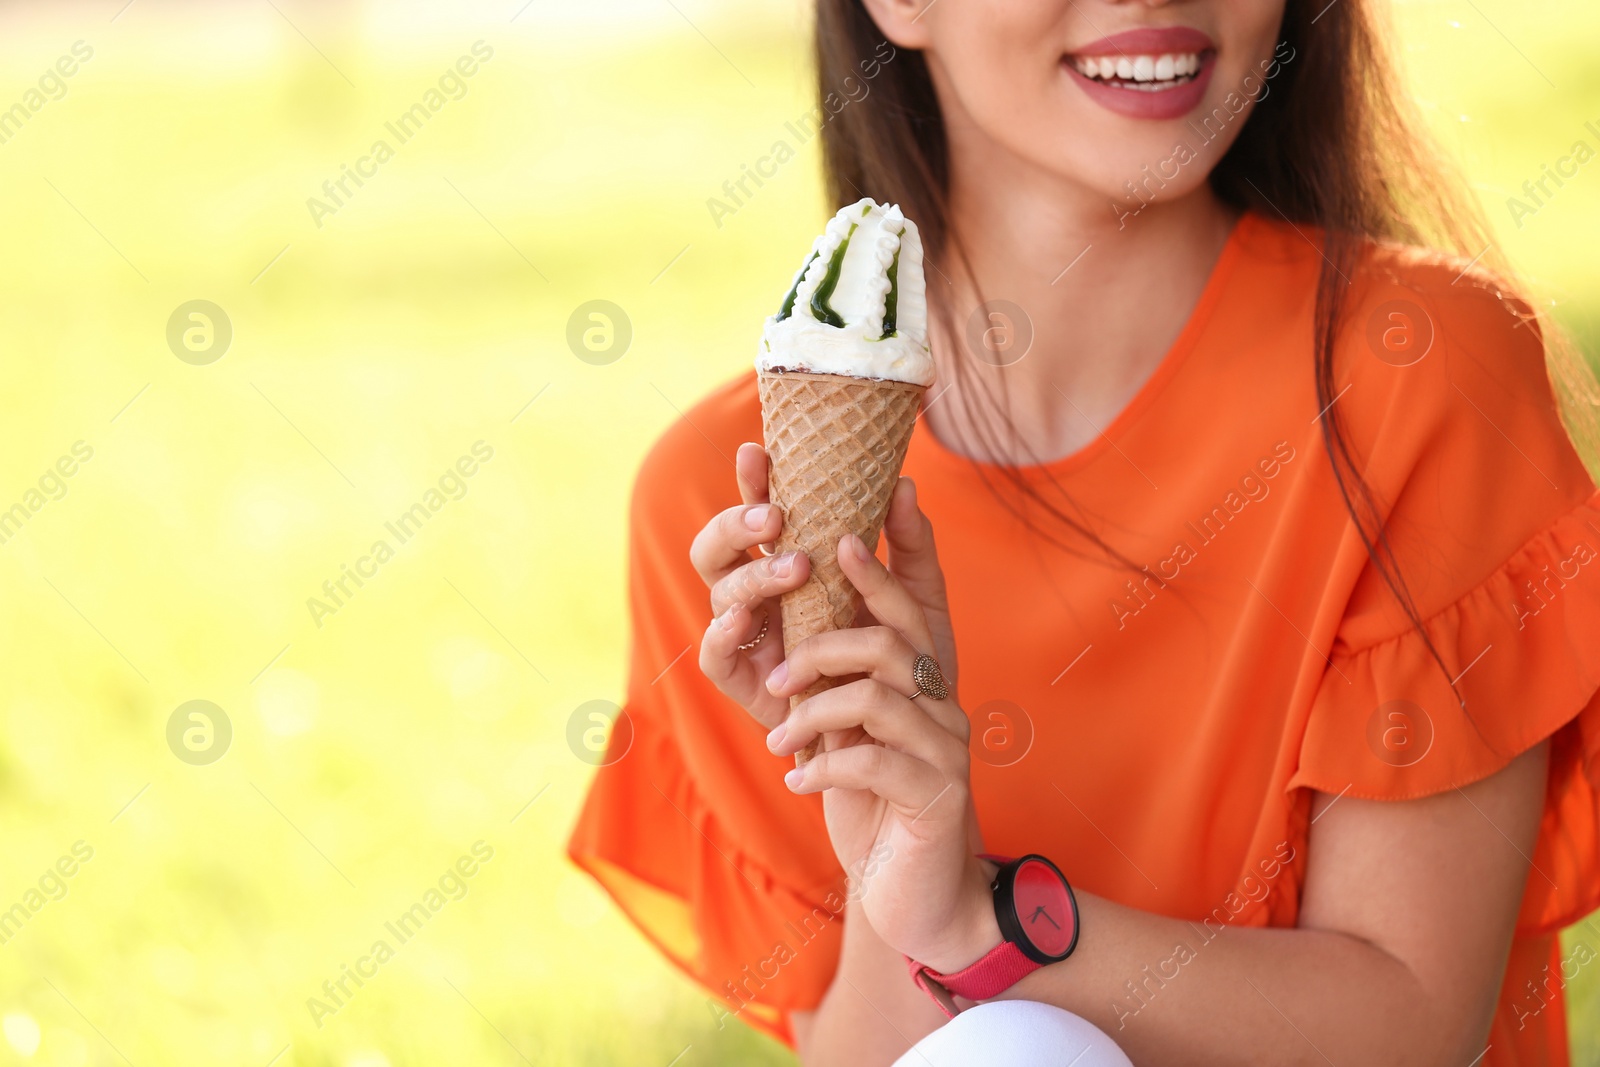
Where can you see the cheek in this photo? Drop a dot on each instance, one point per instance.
(994, 64)
(1249, 42)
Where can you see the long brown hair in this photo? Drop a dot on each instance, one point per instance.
(1332, 148)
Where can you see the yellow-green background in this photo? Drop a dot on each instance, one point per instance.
(373, 352)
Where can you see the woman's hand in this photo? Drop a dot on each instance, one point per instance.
(900, 812)
(893, 769)
(744, 592)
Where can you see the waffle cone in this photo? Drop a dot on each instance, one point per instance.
(835, 446)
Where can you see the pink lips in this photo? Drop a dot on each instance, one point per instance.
(1146, 104)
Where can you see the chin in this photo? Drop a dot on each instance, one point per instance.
(1133, 169)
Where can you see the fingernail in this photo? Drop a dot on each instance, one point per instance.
(725, 620)
(856, 547)
(779, 675)
(794, 778)
(782, 566)
(775, 738)
(756, 517)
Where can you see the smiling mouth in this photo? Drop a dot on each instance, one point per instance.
(1142, 73)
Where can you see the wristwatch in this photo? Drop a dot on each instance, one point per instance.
(1038, 917)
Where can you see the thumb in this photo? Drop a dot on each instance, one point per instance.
(913, 559)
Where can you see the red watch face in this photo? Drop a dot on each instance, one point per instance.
(1043, 908)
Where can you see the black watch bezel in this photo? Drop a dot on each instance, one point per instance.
(1005, 910)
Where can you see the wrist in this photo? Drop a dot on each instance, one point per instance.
(974, 931)
(1032, 921)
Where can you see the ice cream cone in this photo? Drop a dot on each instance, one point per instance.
(835, 445)
(841, 371)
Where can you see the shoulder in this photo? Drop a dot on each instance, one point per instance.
(1424, 339)
(1436, 352)
(1441, 389)
(1439, 302)
(1457, 294)
(688, 474)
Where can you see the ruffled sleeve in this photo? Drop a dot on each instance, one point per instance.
(687, 824)
(1494, 523)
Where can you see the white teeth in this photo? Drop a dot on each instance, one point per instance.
(1150, 68)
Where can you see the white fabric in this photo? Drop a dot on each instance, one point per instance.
(1016, 1033)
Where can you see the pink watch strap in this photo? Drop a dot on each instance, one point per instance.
(1000, 969)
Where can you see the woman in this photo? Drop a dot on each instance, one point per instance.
(1266, 556)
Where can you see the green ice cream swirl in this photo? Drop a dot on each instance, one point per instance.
(892, 300)
(820, 308)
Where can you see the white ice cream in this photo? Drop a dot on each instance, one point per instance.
(857, 307)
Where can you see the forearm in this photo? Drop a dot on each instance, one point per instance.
(1170, 991)
(1167, 991)
(872, 1013)
(1406, 917)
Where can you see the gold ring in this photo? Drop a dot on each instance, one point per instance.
(930, 680)
(762, 633)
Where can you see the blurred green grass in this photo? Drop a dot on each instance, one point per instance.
(368, 354)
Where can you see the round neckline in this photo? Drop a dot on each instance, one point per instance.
(1177, 355)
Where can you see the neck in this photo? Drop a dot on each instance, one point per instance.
(1103, 292)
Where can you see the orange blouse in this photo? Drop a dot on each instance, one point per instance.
(1158, 732)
